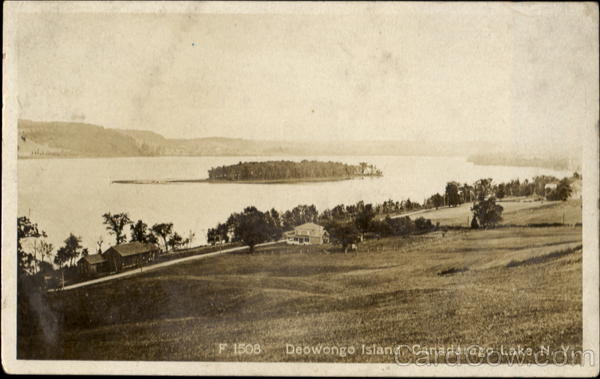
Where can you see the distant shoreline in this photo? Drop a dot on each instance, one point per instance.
(558, 163)
(253, 181)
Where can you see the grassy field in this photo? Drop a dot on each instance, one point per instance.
(509, 286)
(516, 212)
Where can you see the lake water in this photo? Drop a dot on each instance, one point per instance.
(70, 195)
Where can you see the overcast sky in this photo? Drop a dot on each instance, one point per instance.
(524, 75)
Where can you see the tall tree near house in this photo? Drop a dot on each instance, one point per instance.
(115, 225)
(72, 247)
(344, 234)
(61, 257)
(300, 214)
(164, 231)
(139, 232)
(274, 221)
(253, 228)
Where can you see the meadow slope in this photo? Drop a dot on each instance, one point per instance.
(509, 286)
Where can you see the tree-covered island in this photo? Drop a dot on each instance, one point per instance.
(273, 172)
(280, 171)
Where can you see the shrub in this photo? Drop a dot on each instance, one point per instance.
(423, 224)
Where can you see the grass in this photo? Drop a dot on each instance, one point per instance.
(516, 212)
(508, 286)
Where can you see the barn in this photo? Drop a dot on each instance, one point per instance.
(129, 255)
(92, 264)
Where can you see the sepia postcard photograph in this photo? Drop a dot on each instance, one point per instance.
(300, 188)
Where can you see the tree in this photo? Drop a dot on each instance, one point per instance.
(139, 232)
(299, 215)
(72, 248)
(562, 191)
(344, 234)
(466, 192)
(452, 194)
(483, 188)
(219, 234)
(487, 212)
(212, 236)
(61, 257)
(500, 191)
(176, 241)
(363, 167)
(253, 228)
(274, 221)
(26, 229)
(437, 200)
(339, 213)
(99, 244)
(115, 225)
(364, 217)
(46, 249)
(164, 231)
(190, 239)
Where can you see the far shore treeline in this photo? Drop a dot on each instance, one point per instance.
(281, 170)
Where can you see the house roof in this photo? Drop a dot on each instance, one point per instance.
(306, 229)
(133, 248)
(93, 259)
(309, 225)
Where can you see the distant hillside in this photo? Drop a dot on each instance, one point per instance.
(65, 139)
(61, 139)
(69, 139)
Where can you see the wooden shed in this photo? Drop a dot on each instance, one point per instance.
(131, 254)
(92, 264)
